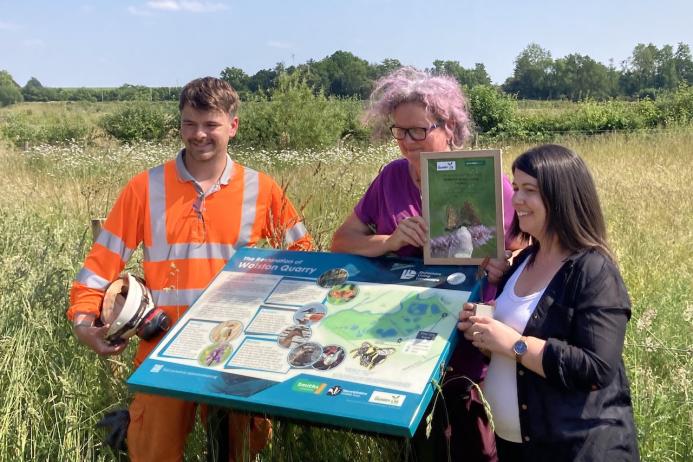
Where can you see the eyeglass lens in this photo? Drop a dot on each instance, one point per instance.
(415, 133)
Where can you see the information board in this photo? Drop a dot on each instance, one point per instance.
(326, 337)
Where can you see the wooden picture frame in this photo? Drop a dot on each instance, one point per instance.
(462, 194)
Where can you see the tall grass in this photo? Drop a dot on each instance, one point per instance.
(54, 390)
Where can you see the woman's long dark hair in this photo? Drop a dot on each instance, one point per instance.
(573, 213)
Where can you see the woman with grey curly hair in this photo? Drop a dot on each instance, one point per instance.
(440, 96)
(424, 113)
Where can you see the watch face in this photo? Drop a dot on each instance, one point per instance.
(520, 347)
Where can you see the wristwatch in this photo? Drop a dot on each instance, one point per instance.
(520, 348)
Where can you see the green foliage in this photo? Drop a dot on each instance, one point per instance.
(294, 116)
(141, 121)
(575, 77)
(536, 75)
(343, 74)
(297, 116)
(579, 77)
(650, 68)
(82, 94)
(34, 91)
(354, 130)
(10, 92)
(385, 67)
(647, 72)
(238, 79)
(494, 112)
(466, 77)
(129, 92)
(590, 117)
(6, 79)
(303, 119)
(10, 95)
(21, 129)
(676, 108)
(530, 78)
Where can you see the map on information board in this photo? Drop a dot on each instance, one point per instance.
(331, 338)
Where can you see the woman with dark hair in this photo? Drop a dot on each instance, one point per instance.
(556, 383)
(424, 113)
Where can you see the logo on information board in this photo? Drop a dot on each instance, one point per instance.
(308, 386)
(157, 367)
(390, 399)
(408, 274)
(334, 390)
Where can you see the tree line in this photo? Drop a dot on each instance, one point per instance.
(536, 75)
(646, 72)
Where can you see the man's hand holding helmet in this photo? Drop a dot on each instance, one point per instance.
(127, 309)
(95, 336)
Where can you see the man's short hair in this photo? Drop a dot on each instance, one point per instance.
(210, 93)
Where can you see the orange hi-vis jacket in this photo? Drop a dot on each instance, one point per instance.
(188, 235)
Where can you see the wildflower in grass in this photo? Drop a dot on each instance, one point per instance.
(644, 322)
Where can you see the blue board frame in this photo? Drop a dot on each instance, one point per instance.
(310, 396)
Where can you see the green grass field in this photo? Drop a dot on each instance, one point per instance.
(53, 390)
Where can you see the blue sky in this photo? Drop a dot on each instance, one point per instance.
(169, 42)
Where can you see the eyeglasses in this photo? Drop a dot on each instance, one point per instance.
(415, 133)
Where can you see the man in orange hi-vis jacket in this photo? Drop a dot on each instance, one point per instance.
(190, 214)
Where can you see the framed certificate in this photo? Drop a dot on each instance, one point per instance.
(463, 206)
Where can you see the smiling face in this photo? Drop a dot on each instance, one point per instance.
(411, 115)
(206, 134)
(529, 205)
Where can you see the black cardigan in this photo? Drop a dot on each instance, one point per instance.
(582, 410)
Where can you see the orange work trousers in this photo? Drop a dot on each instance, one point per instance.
(159, 427)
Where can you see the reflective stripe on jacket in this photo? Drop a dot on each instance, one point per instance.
(187, 235)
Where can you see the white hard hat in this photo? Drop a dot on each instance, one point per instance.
(125, 305)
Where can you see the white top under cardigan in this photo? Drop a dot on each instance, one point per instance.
(500, 385)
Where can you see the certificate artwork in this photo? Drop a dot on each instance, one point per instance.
(462, 204)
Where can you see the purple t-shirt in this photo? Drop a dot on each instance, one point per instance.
(393, 196)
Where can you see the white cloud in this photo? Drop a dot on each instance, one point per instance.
(169, 5)
(191, 6)
(278, 44)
